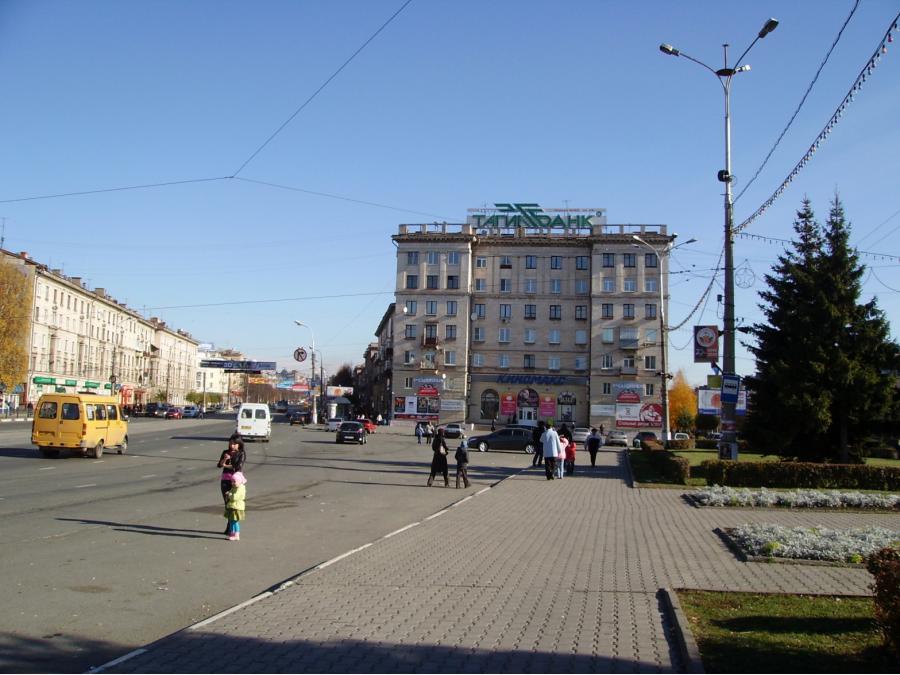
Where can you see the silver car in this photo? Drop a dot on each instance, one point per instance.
(617, 438)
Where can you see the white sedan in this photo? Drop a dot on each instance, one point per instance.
(334, 424)
(580, 435)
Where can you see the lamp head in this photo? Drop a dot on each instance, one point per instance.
(671, 51)
(770, 25)
(743, 69)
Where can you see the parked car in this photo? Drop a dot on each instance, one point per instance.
(580, 434)
(369, 426)
(333, 424)
(174, 413)
(351, 431)
(192, 411)
(681, 436)
(504, 439)
(156, 409)
(642, 436)
(617, 438)
(454, 430)
(715, 436)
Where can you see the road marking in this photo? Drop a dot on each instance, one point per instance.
(121, 659)
(152, 475)
(98, 461)
(87, 485)
(163, 451)
(342, 556)
(47, 468)
(435, 515)
(402, 529)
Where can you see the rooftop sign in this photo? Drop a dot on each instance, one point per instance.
(533, 216)
(238, 366)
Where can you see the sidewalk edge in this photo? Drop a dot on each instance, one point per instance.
(687, 646)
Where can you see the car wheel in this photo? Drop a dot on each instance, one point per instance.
(123, 448)
(529, 448)
(482, 446)
(98, 450)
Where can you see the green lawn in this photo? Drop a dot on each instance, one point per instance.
(759, 633)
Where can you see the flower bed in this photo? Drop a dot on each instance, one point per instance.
(802, 499)
(767, 540)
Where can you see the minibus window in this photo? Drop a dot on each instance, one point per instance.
(89, 411)
(247, 413)
(70, 411)
(101, 411)
(260, 414)
(111, 412)
(48, 410)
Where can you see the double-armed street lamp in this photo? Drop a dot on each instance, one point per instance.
(663, 329)
(725, 75)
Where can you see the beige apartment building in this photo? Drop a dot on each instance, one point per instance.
(522, 314)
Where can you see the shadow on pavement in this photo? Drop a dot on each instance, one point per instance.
(54, 653)
(21, 453)
(150, 529)
(224, 439)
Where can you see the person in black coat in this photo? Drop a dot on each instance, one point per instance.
(439, 460)
(537, 459)
(462, 462)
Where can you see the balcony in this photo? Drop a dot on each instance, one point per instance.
(628, 370)
(629, 343)
(429, 341)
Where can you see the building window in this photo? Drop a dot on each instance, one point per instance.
(582, 286)
(648, 389)
(530, 311)
(582, 262)
(479, 310)
(627, 311)
(581, 312)
(556, 286)
(432, 257)
(410, 331)
(431, 281)
(477, 360)
(503, 361)
(411, 307)
(506, 285)
(553, 337)
(530, 262)
(505, 312)
(528, 361)
(553, 363)
(407, 382)
(650, 311)
(503, 335)
(609, 259)
(580, 363)
(556, 312)
(607, 387)
(450, 358)
(480, 285)
(412, 281)
(606, 310)
(628, 333)
(431, 332)
(629, 285)
(530, 336)
(409, 357)
(650, 336)
(650, 286)
(431, 308)
(412, 257)
(531, 285)
(580, 337)
(650, 260)
(453, 281)
(629, 260)
(480, 262)
(606, 361)
(450, 331)
(478, 334)
(555, 262)
(453, 258)
(451, 307)
(628, 362)
(650, 362)
(505, 262)
(609, 284)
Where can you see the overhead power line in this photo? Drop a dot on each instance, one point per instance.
(826, 131)
(143, 186)
(770, 240)
(260, 302)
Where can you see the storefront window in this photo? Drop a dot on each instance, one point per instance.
(490, 404)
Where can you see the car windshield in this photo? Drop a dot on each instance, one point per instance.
(350, 426)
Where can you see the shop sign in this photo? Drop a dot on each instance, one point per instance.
(602, 410)
(532, 215)
(548, 406)
(507, 404)
(531, 379)
(633, 416)
(628, 396)
(428, 406)
(427, 390)
(566, 398)
(91, 385)
(453, 405)
(300, 387)
(71, 383)
(428, 379)
(44, 380)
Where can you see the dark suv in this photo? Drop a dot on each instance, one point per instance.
(642, 436)
(156, 410)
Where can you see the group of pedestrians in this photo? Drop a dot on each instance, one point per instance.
(439, 460)
(425, 430)
(233, 483)
(556, 449)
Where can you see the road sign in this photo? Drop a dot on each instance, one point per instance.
(300, 354)
(731, 385)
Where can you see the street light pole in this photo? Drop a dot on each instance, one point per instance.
(725, 75)
(313, 415)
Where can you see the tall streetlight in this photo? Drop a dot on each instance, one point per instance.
(724, 76)
(314, 419)
(664, 372)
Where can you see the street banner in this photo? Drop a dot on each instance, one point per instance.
(547, 408)
(706, 344)
(333, 392)
(635, 415)
(709, 402)
(507, 404)
(453, 405)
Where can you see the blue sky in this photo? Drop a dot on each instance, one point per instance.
(455, 104)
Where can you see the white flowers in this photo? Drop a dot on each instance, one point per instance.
(811, 543)
(814, 499)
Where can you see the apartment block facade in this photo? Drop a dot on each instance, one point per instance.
(520, 318)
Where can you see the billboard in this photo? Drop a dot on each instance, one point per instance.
(637, 415)
(706, 344)
(338, 391)
(709, 402)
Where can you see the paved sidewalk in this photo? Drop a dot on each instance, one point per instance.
(530, 576)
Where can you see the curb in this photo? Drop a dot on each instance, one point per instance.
(687, 647)
(284, 585)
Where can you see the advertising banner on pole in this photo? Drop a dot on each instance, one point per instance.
(706, 344)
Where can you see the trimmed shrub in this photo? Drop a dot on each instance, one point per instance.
(652, 446)
(801, 475)
(706, 444)
(884, 565)
(672, 468)
(679, 445)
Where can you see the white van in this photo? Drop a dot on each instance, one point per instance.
(254, 421)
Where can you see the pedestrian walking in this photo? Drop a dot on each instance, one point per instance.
(550, 447)
(231, 461)
(419, 432)
(439, 459)
(429, 431)
(235, 505)
(594, 441)
(462, 461)
(493, 424)
(561, 456)
(570, 459)
(538, 457)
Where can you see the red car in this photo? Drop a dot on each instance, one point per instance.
(369, 426)
(174, 413)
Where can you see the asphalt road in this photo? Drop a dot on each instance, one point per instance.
(101, 556)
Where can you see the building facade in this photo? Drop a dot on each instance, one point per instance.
(518, 315)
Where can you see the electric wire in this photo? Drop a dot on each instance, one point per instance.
(879, 226)
(868, 254)
(143, 186)
(802, 101)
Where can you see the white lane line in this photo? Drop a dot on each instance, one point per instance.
(98, 461)
(86, 485)
(163, 451)
(151, 475)
(402, 529)
(439, 513)
(47, 468)
(342, 556)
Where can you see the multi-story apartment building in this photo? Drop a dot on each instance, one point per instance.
(525, 317)
(83, 339)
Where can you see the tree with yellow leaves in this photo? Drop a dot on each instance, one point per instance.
(16, 288)
(682, 403)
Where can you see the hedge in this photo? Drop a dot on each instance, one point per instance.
(801, 475)
(885, 567)
(673, 468)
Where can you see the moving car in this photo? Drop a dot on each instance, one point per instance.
(580, 435)
(617, 438)
(454, 430)
(192, 411)
(298, 418)
(84, 423)
(642, 436)
(254, 421)
(156, 409)
(174, 413)
(333, 424)
(369, 425)
(681, 436)
(504, 439)
(351, 431)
